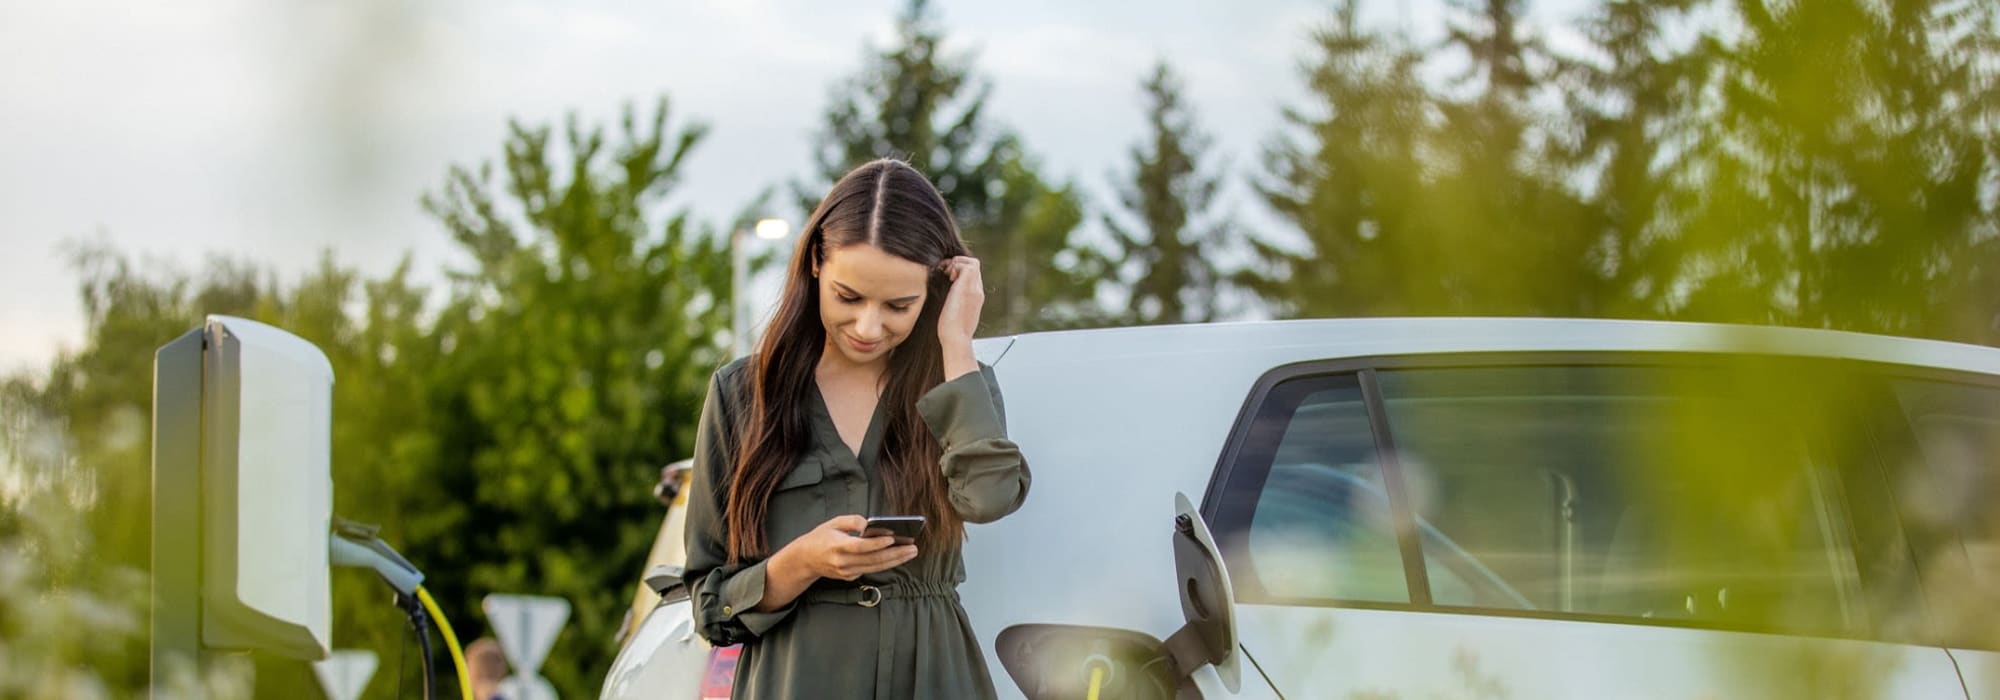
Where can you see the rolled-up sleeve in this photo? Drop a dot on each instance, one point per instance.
(984, 471)
(724, 595)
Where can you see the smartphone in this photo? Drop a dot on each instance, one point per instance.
(905, 528)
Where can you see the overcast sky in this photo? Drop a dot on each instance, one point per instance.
(271, 131)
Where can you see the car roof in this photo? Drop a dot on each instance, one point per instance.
(1363, 337)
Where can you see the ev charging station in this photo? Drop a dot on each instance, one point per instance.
(243, 529)
(242, 496)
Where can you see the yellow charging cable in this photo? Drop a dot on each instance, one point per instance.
(451, 642)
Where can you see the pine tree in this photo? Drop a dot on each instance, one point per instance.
(1349, 177)
(1506, 234)
(1168, 235)
(914, 101)
(1635, 117)
(1851, 166)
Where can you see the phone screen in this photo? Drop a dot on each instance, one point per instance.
(905, 528)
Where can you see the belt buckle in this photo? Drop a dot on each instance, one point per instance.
(871, 596)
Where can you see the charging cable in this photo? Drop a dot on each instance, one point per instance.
(1100, 674)
(356, 545)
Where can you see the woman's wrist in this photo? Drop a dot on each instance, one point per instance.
(958, 360)
(784, 566)
(784, 578)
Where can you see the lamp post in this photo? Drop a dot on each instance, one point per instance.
(769, 229)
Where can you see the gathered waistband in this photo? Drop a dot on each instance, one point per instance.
(869, 596)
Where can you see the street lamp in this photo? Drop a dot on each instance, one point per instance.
(769, 229)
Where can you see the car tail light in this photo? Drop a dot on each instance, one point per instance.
(720, 679)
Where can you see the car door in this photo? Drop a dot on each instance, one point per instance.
(1595, 525)
(1941, 459)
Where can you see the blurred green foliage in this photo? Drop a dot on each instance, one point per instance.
(1823, 164)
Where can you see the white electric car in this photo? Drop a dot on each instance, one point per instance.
(1527, 508)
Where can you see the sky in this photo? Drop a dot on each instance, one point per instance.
(273, 131)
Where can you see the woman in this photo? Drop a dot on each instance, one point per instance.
(863, 398)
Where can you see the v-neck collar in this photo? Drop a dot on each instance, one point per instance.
(830, 431)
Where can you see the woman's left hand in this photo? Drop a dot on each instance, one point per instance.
(959, 318)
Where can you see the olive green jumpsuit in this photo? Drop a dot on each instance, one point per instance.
(905, 635)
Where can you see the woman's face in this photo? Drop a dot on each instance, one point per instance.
(869, 301)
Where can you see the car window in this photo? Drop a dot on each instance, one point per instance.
(1651, 493)
(1945, 486)
(1321, 525)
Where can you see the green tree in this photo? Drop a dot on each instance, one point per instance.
(1414, 201)
(581, 343)
(1853, 168)
(916, 102)
(1033, 265)
(1635, 116)
(1167, 235)
(1505, 234)
(1490, 33)
(1348, 176)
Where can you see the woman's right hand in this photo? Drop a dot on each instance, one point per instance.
(833, 551)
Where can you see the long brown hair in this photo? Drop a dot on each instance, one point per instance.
(887, 204)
